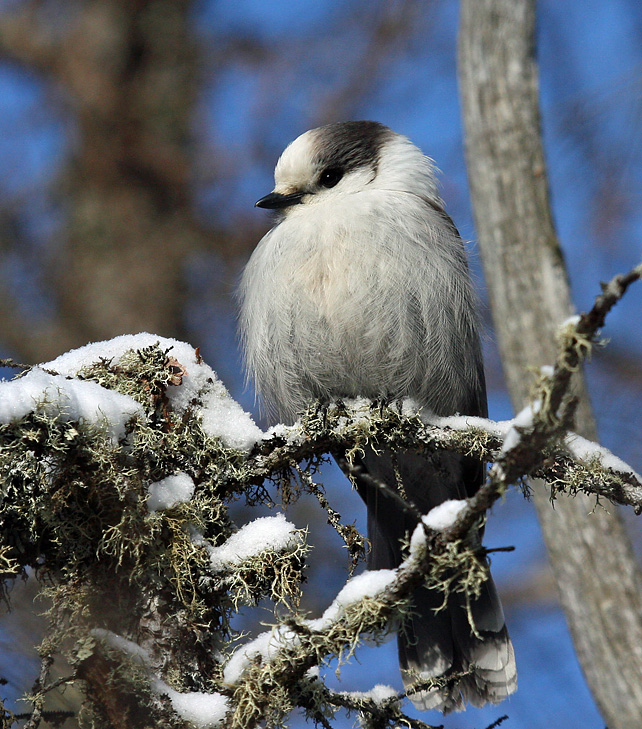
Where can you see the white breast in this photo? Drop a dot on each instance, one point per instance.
(357, 298)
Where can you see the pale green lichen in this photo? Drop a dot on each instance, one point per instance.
(275, 574)
(77, 501)
(74, 498)
(573, 345)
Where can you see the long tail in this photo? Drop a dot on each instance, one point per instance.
(434, 646)
(438, 643)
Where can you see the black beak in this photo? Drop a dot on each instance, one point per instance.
(276, 201)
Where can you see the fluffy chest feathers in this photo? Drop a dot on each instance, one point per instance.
(321, 259)
(357, 299)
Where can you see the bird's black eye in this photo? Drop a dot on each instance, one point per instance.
(330, 176)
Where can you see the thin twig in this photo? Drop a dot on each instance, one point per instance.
(39, 692)
(497, 722)
(354, 541)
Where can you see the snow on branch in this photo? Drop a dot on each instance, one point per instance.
(118, 464)
(349, 424)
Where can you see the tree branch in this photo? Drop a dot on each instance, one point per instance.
(77, 490)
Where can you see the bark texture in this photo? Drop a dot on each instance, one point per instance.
(591, 555)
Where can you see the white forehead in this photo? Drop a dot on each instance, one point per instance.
(296, 165)
(395, 164)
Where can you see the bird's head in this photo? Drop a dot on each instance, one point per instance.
(346, 158)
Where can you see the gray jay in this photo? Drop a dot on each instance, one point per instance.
(362, 289)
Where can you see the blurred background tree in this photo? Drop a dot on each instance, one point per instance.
(135, 136)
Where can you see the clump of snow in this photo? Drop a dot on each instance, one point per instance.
(204, 711)
(360, 409)
(290, 434)
(361, 405)
(441, 517)
(85, 402)
(410, 407)
(116, 641)
(522, 421)
(417, 541)
(379, 694)
(279, 431)
(445, 514)
(572, 321)
(72, 362)
(268, 532)
(222, 416)
(547, 370)
(170, 491)
(586, 451)
(498, 428)
(367, 584)
(265, 645)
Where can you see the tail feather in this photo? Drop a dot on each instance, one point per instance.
(441, 648)
(438, 643)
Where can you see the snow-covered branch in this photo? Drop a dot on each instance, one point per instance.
(119, 462)
(569, 463)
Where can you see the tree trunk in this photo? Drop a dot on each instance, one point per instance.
(591, 555)
(128, 71)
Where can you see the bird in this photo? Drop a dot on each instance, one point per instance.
(362, 289)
